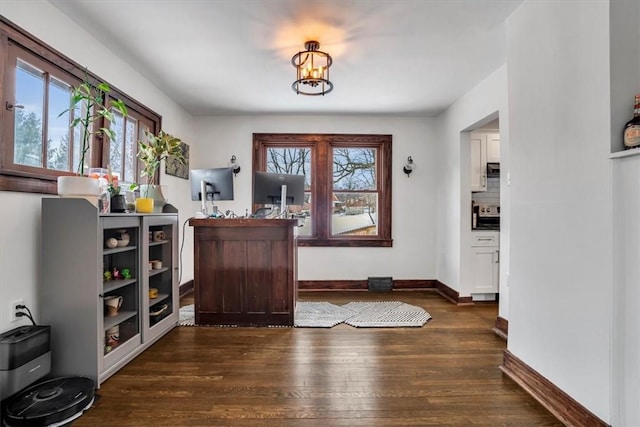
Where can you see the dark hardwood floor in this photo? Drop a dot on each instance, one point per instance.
(445, 374)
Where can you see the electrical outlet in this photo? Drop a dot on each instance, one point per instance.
(14, 309)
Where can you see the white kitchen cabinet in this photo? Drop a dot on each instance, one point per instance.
(493, 147)
(485, 262)
(488, 238)
(478, 163)
(486, 269)
(485, 148)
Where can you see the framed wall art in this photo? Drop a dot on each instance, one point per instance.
(175, 168)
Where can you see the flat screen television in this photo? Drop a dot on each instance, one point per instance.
(268, 189)
(216, 183)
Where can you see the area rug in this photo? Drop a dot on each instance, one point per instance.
(319, 315)
(377, 314)
(187, 316)
(386, 314)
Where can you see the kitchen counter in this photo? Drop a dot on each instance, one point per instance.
(486, 228)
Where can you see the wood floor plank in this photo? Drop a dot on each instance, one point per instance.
(445, 373)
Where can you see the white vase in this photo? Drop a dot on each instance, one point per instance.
(79, 186)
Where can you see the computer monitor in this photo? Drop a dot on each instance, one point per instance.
(215, 184)
(278, 189)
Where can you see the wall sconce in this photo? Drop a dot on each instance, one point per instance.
(233, 164)
(409, 166)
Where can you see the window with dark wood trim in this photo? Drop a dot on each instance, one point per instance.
(36, 145)
(348, 184)
(121, 153)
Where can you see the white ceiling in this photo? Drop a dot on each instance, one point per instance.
(407, 57)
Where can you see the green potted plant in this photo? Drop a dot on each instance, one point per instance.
(118, 202)
(151, 153)
(88, 101)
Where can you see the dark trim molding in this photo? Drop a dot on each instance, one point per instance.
(501, 327)
(415, 285)
(332, 285)
(186, 288)
(398, 285)
(27, 184)
(559, 403)
(362, 285)
(452, 295)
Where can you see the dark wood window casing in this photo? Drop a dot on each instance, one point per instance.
(321, 146)
(16, 42)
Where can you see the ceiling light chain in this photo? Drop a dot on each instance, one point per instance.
(312, 70)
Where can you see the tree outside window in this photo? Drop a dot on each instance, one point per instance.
(35, 145)
(355, 195)
(123, 149)
(36, 142)
(347, 184)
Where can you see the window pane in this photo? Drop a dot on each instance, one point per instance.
(77, 139)
(354, 214)
(142, 127)
(28, 120)
(130, 150)
(77, 146)
(116, 145)
(354, 169)
(304, 214)
(293, 161)
(58, 143)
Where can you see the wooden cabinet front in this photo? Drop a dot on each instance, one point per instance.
(245, 271)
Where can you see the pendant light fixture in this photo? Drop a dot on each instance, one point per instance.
(312, 70)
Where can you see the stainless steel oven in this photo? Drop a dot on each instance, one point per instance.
(485, 217)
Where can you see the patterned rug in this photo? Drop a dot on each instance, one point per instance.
(386, 314)
(319, 315)
(187, 316)
(377, 314)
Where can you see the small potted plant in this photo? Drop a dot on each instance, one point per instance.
(87, 108)
(151, 153)
(118, 202)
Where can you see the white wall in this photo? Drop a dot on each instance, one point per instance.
(626, 305)
(560, 285)
(414, 199)
(476, 108)
(625, 69)
(19, 212)
(625, 64)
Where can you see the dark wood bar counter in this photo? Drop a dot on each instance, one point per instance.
(245, 271)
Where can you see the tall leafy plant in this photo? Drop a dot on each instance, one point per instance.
(154, 150)
(88, 103)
